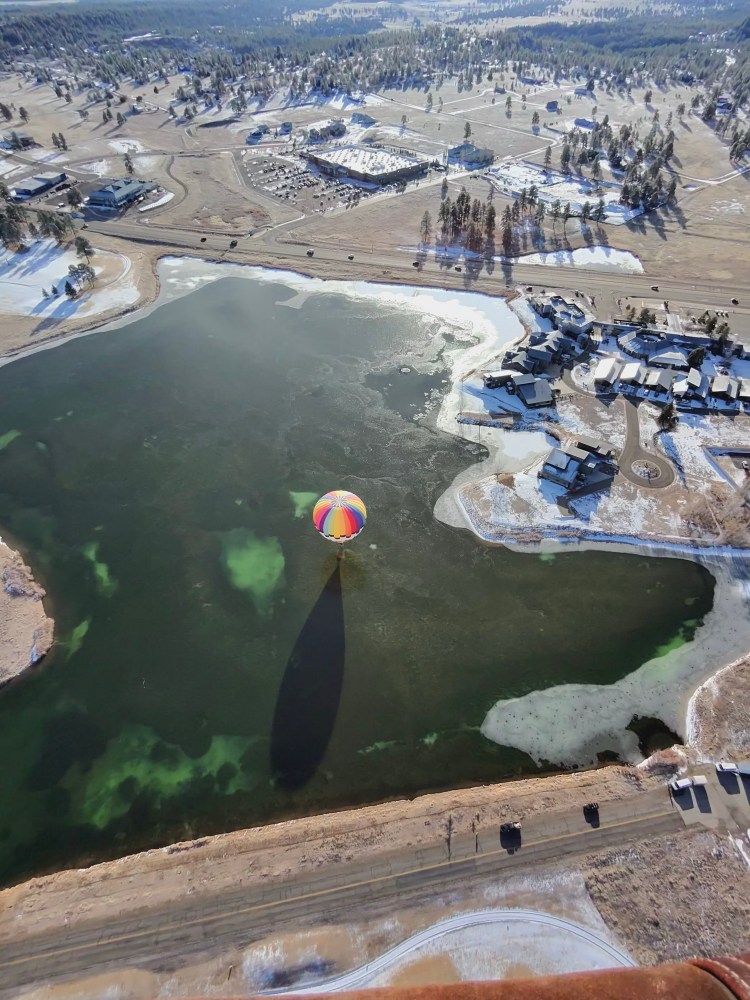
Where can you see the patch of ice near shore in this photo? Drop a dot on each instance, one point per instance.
(570, 723)
(487, 321)
(598, 258)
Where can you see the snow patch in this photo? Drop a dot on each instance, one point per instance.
(596, 258)
(24, 275)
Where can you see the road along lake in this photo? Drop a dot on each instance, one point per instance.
(213, 667)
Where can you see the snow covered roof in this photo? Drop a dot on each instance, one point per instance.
(725, 386)
(607, 370)
(634, 372)
(673, 356)
(365, 160)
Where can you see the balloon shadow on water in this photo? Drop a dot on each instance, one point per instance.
(310, 692)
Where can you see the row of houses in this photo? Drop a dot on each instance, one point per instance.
(686, 387)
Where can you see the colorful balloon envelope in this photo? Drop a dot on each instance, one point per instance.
(339, 516)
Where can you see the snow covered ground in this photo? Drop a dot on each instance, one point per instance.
(127, 146)
(165, 199)
(551, 185)
(598, 258)
(24, 275)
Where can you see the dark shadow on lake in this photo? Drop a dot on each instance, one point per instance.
(310, 691)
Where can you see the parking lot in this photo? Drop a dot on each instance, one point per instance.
(295, 182)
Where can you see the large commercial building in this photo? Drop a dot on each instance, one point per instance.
(118, 194)
(364, 163)
(32, 187)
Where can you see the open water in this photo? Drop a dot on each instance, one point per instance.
(213, 668)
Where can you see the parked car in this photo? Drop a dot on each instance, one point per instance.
(678, 785)
(735, 302)
(350, 257)
(456, 268)
(727, 767)
(510, 827)
(233, 244)
(415, 263)
(310, 253)
(591, 809)
(203, 239)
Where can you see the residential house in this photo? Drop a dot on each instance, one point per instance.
(607, 372)
(692, 386)
(560, 468)
(725, 387)
(496, 379)
(533, 392)
(658, 379)
(568, 317)
(633, 373)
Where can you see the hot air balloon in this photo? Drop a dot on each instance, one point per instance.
(339, 516)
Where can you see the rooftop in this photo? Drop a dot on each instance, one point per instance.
(365, 160)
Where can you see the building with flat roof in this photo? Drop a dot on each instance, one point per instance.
(366, 163)
(120, 193)
(32, 187)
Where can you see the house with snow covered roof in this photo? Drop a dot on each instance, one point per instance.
(693, 385)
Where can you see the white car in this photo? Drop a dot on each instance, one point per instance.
(728, 767)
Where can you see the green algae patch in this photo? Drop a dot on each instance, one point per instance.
(302, 502)
(253, 565)
(105, 582)
(75, 640)
(685, 635)
(137, 764)
(7, 438)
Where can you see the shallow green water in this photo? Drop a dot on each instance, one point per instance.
(160, 485)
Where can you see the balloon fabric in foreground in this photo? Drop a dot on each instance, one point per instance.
(339, 516)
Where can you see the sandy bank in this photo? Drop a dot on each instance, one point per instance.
(285, 850)
(25, 630)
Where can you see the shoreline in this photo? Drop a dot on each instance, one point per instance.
(26, 632)
(483, 342)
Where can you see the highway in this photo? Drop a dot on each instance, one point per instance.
(193, 928)
(279, 248)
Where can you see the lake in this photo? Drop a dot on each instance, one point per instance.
(214, 666)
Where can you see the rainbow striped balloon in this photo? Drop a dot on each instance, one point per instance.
(339, 516)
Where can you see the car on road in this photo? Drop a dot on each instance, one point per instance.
(511, 827)
(350, 257)
(310, 253)
(415, 263)
(203, 239)
(654, 288)
(233, 244)
(591, 809)
(735, 302)
(456, 268)
(529, 288)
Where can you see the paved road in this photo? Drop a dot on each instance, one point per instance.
(163, 938)
(363, 976)
(281, 248)
(635, 452)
